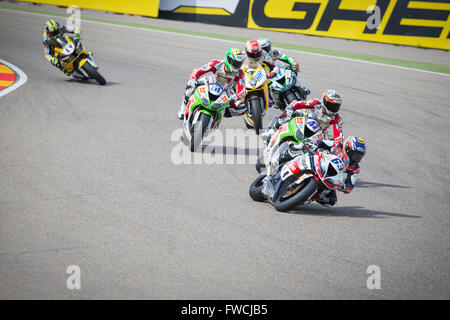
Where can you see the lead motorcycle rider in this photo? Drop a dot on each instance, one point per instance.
(52, 31)
(228, 75)
(351, 153)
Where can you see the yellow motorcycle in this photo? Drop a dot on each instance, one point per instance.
(257, 98)
(76, 60)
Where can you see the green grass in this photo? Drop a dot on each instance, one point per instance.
(440, 68)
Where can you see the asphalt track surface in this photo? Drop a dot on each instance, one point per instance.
(87, 179)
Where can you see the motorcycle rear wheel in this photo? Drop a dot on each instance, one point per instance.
(256, 114)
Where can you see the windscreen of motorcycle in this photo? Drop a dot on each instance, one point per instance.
(68, 48)
(311, 128)
(214, 91)
(331, 170)
(255, 78)
(218, 95)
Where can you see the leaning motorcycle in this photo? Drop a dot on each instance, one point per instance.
(286, 87)
(303, 179)
(300, 181)
(257, 97)
(204, 112)
(76, 60)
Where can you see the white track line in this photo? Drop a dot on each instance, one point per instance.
(22, 78)
(237, 42)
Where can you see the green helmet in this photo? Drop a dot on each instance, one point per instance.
(234, 59)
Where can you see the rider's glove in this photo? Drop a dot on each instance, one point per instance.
(54, 61)
(76, 37)
(296, 67)
(311, 145)
(346, 188)
(289, 111)
(271, 74)
(192, 83)
(238, 108)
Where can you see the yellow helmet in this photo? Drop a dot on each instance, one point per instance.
(52, 28)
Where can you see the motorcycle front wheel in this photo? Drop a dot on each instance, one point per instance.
(94, 74)
(199, 131)
(255, 108)
(288, 199)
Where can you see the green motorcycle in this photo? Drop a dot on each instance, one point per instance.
(297, 131)
(204, 111)
(286, 87)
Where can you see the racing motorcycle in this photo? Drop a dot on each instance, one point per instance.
(286, 87)
(257, 97)
(204, 111)
(76, 60)
(301, 180)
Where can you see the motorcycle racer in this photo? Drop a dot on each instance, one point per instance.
(352, 152)
(229, 75)
(52, 31)
(325, 112)
(255, 55)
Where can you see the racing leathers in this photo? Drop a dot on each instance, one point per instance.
(352, 170)
(329, 198)
(266, 61)
(232, 82)
(50, 43)
(270, 68)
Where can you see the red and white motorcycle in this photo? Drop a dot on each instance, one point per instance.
(299, 181)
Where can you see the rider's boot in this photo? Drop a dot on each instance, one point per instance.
(67, 73)
(328, 199)
(180, 114)
(272, 102)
